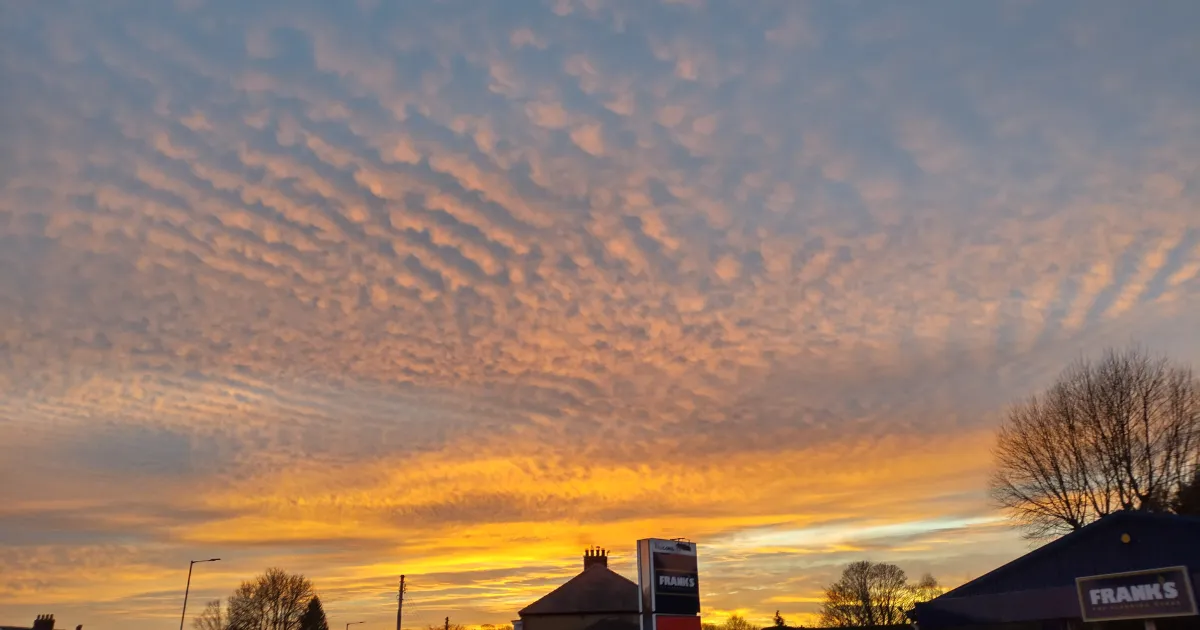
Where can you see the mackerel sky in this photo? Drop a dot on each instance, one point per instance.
(456, 289)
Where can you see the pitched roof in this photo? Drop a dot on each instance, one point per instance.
(596, 590)
(1041, 584)
(1158, 540)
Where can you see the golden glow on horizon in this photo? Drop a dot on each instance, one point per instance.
(308, 506)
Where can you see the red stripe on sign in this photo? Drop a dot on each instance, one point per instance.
(673, 622)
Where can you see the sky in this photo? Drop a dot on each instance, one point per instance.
(458, 289)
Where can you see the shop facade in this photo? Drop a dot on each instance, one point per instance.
(1127, 571)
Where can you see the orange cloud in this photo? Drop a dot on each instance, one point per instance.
(392, 291)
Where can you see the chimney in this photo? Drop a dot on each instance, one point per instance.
(595, 557)
(44, 622)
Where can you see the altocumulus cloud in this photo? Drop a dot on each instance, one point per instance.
(453, 289)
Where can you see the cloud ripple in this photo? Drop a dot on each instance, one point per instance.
(448, 287)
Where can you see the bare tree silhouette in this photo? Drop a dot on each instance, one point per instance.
(1122, 433)
(870, 593)
(275, 600)
(211, 618)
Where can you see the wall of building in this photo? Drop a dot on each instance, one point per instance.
(573, 622)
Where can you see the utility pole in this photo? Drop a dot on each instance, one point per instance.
(400, 603)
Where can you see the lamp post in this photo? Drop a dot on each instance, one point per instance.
(183, 615)
(352, 623)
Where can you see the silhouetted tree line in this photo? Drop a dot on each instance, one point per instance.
(867, 594)
(874, 594)
(275, 600)
(447, 626)
(735, 622)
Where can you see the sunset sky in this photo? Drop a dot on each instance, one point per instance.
(456, 289)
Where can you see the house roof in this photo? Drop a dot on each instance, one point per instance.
(1156, 540)
(1040, 585)
(596, 590)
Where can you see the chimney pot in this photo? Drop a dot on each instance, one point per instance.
(595, 557)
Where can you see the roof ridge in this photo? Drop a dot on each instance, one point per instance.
(580, 593)
(1070, 539)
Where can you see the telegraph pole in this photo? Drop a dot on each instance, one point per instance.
(400, 603)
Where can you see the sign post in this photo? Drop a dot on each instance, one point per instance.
(669, 581)
(1151, 594)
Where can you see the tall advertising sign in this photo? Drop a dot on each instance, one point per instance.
(670, 584)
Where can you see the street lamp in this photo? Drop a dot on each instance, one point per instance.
(193, 563)
(352, 623)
